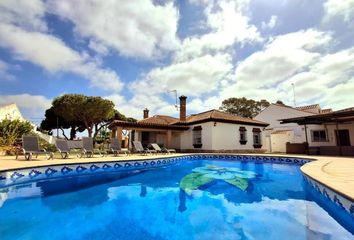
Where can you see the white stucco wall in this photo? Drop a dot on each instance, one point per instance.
(330, 128)
(11, 112)
(271, 115)
(187, 136)
(222, 136)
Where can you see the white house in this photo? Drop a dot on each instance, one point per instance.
(277, 134)
(11, 112)
(330, 133)
(208, 131)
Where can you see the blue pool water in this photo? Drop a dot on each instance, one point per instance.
(194, 199)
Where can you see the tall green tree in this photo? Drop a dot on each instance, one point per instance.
(53, 121)
(86, 110)
(79, 112)
(243, 107)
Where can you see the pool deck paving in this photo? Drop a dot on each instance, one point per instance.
(336, 173)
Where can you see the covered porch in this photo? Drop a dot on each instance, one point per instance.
(165, 135)
(337, 132)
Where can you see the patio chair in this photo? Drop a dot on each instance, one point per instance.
(63, 148)
(30, 147)
(116, 147)
(88, 149)
(162, 150)
(140, 149)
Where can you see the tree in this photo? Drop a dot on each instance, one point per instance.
(85, 111)
(243, 107)
(79, 112)
(53, 121)
(11, 130)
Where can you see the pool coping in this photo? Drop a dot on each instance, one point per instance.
(313, 170)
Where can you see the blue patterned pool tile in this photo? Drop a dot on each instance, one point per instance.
(338, 202)
(50, 171)
(127, 165)
(16, 175)
(164, 161)
(94, 168)
(152, 163)
(80, 169)
(106, 166)
(65, 170)
(351, 210)
(117, 165)
(325, 193)
(137, 164)
(34, 173)
(158, 162)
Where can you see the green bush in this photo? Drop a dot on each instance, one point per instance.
(12, 130)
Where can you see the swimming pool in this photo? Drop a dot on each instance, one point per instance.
(203, 197)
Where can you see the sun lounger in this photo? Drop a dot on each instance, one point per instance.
(30, 147)
(88, 149)
(63, 148)
(162, 150)
(140, 149)
(116, 147)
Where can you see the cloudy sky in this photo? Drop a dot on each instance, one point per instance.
(135, 52)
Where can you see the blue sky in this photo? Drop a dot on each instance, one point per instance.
(135, 52)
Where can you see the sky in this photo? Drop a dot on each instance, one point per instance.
(136, 52)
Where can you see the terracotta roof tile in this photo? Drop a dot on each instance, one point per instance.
(312, 106)
(160, 120)
(216, 115)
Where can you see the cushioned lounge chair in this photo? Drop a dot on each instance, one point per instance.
(162, 150)
(116, 147)
(63, 148)
(140, 149)
(30, 147)
(88, 149)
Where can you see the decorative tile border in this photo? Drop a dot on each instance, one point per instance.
(38, 173)
(47, 172)
(336, 198)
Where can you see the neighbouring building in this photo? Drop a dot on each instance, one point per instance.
(277, 135)
(203, 132)
(330, 133)
(11, 112)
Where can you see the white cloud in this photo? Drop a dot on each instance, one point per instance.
(227, 25)
(133, 28)
(5, 71)
(31, 106)
(197, 76)
(258, 75)
(24, 13)
(271, 24)
(54, 55)
(342, 8)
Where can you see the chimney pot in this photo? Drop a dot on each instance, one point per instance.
(182, 108)
(146, 113)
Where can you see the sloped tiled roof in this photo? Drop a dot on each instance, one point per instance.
(328, 110)
(167, 122)
(310, 108)
(216, 115)
(160, 120)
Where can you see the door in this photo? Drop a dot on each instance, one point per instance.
(343, 138)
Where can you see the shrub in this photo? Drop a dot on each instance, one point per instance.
(12, 130)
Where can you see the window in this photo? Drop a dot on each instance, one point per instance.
(319, 136)
(257, 138)
(197, 137)
(243, 135)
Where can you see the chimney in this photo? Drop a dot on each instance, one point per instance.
(146, 113)
(182, 108)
